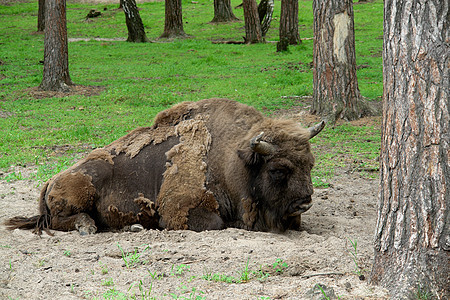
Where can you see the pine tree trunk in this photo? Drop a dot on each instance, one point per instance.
(289, 22)
(41, 16)
(412, 246)
(56, 56)
(136, 32)
(253, 32)
(336, 92)
(173, 25)
(223, 12)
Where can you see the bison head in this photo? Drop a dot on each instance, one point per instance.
(278, 165)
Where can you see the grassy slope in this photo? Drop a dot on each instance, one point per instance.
(142, 79)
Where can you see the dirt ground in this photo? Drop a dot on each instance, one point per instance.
(190, 265)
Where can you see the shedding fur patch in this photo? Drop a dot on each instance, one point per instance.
(185, 176)
(100, 153)
(133, 142)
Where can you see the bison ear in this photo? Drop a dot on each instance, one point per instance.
(250, 157)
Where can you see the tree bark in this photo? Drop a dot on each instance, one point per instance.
(336, 93)
(136, 32)
(41, 16)
(289, 22)
(265, 12)
(412, 240)
(173, 25)
(223, 12)
(253, 33)
(56, 56)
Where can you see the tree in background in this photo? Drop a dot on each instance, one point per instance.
(413, 228)
(288, 25)
(136, 32)
(253, 33)
(223, 12)
(336, 93)
(265, 12)
(173, 25)
(56, 56)
(41, 16)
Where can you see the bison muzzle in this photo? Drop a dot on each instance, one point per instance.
(203, 165)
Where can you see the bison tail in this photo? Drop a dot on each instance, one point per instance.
(35, 223)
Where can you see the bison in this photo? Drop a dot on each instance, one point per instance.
(203, 165)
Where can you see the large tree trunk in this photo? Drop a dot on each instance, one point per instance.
(223, 12)
(173, 25)
(41, 16)
(335, 85)
(289, 22)
(56, 56)
(253, 32)
(413, 229)
(136, 32)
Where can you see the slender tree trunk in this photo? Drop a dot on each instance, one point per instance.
(289, 22)
(173, 25)
(223, 12)
(41, 16)
(265, 12)
(336, 92)
(136, 32)
(253, 32)
(412, 245)
(56, 56)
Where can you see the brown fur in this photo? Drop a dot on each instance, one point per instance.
(193, 169)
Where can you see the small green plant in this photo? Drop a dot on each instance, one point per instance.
(131, 259)
(41, 262)
(67, 253)
(323, 292)
(423, 293)
(219, 278)
(145, 294)
(279, 265)
(155, 275)
(354, 254)
(261, 275)
(104, 269)
(108, 282)
(245, 274)
(114, 294)
(193, 294)
(180, 270)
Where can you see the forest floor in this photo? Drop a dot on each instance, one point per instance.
(333, 249)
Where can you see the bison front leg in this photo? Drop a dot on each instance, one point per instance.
(200, 219)
(81, 222)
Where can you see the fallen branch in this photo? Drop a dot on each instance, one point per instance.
(322, 274)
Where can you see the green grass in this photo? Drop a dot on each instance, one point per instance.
(139, 80)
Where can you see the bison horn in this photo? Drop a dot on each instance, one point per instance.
(314, 130)
(260, 146)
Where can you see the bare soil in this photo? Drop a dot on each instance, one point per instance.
(174, 264)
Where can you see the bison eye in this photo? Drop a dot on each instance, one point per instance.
(278, 174)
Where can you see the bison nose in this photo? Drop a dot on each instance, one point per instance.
(300, 206)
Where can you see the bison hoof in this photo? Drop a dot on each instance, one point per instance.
(86, 230)
(136, 228)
